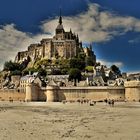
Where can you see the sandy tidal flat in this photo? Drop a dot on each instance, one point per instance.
(71, 121)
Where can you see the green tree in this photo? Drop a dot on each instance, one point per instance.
(81, 56)
(64, 71)
(29, 70)
(11, 66)
(74, 74)
(56, 72)
(16, 72)
(77, 63)
(116, 70)
(89, 61)
(89, 68)
(42, 72)
(42, 63)
(64, 63)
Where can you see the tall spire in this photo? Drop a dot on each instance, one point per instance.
(60, 17)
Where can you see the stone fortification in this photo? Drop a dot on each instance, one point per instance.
(53, 93)
(93, 93)
(6, 95)
(132, 90)
(32, 92)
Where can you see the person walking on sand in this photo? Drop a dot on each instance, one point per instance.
(109, 102)
(106, 101)
(112, 102)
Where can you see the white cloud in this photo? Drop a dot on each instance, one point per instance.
(95, 25)
(109, 63)
(92, 25)
(133, 72)
(13, 40)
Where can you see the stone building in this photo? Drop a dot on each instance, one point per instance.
(90, 53)
(24, 81)
(63, 45)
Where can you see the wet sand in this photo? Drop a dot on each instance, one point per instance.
(71, 121)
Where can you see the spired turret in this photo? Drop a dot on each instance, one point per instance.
(60, 18)
(59, 28)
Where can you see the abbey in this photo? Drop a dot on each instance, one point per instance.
(63, 45)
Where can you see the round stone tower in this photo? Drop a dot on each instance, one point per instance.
(132, 90)
(32, 91)
(52, 90)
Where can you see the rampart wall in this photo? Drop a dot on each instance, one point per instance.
(6, 95)
(93, 93)
(130, 92)
(53, 93)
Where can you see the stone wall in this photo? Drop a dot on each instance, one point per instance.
(42, 95)
(132, 90)
(6, 95)
(93, 93)
(74, 93)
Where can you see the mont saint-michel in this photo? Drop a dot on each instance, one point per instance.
(65, 45)
(60, 69)
(72, 74)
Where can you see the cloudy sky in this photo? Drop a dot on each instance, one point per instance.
(112, 26)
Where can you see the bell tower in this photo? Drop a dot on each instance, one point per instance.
(59, 31)
(60, 18)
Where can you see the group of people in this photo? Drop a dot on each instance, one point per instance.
(109, 102)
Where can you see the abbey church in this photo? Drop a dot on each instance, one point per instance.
(63, 45)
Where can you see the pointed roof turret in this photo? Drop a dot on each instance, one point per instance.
(60, 18)
(60, 25)
(77, 36)
(90, 47)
